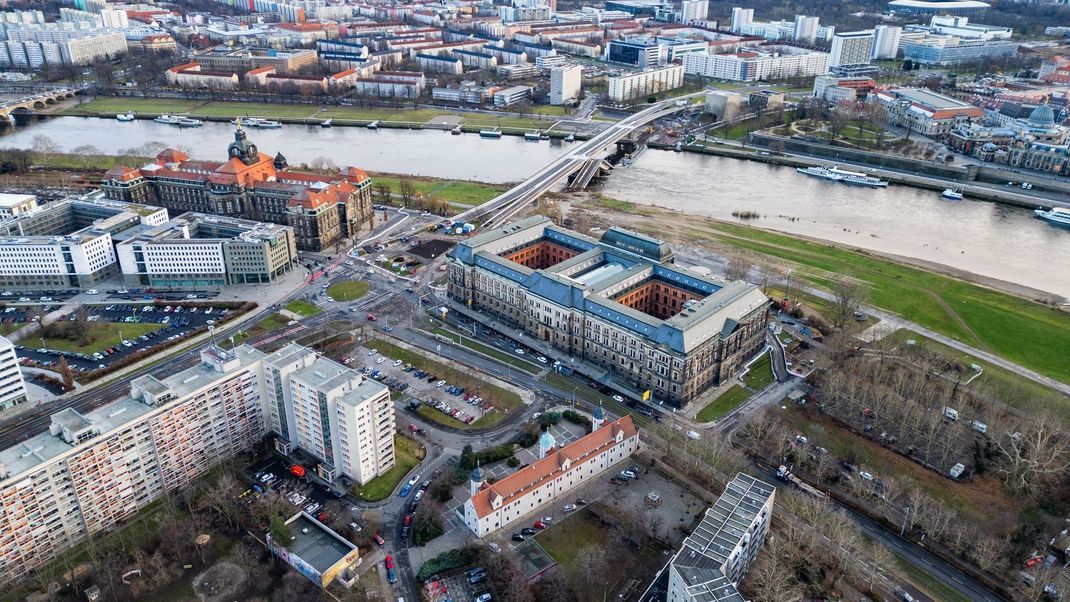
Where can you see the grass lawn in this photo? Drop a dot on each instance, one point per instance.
(429, 413)
(760, 374)
(272, 322)
(101, 336)
(106, 105)
(489, 351)
(725, 403)
(504, 401)
(567, 538)
(458, 191)
(1027, 333)
(552, 110)
(303, 308)
(615, 204)
(350, 290)
(72, 161)
(407, 454)
(6, 329)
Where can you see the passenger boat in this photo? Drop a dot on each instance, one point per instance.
(373, 125)
(127, 116)
(570, 138)
(1056, 215)
(168, 119)
(490, 133)
(836, 174)
(953, 194)
(532, 136)
(327, 124)
(186, 122)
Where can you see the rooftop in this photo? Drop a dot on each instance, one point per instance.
(14, 200)
(315, 544)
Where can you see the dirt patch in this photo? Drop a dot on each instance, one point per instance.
(431, 248)
(220, 583)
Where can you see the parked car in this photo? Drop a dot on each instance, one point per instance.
(378, 539)
(518, 537)
(389, 562)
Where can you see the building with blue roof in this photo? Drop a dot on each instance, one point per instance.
(618, 302)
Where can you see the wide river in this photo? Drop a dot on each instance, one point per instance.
(992, 240)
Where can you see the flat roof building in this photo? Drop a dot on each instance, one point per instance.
(938, 7)
(317, 552)
(12, 386)
(617, 302)
(14, 205)
(925, 111)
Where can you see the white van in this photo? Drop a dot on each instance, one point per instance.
(980, 427)
(951, 413)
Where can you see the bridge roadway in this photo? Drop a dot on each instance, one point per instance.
(503, 207)
(36, 99)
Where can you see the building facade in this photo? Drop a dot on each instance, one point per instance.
(851, 48)
(617, 302)
(765, 63)
(14, 205)
(886, 42)
(495, 506)
(565, 84)
(623, 88)
(715, 557)
(323, 210)
(925, 111)
(12, 387)
(941, 50)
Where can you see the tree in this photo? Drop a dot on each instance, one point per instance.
(86, 152)
(407, 191)
(65, 372)
(382, 193)
(280, 532)
(45, 147)
(847, 296)
(1035, 449)
(736, 268)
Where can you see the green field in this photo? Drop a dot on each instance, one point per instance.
(303, 308)
(101, 336)
(109, 106)
(1024, 332)
(725, 403)
(456, 191)
(407, 454)
(489, 351)
(350, 290)
(6, 329)
(760, 374)
(504, 401)
(566, 539)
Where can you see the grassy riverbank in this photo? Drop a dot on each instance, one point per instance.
(456, 191)
(110, 106)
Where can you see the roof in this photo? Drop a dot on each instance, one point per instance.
(554, 464)
(315, 544)
(12, 200)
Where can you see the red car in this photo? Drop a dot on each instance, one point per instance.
(389, 562)
(378, 539)
(540, 525)
(408, 520)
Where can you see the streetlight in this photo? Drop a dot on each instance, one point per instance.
(906, 513)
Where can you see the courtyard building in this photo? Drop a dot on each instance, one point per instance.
(617, 302)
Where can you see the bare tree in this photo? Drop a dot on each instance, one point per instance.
(736, 268)
(45, 148)
(382, 193)
(407, 191)
(1035, 449)
(847, 296)
(86, 152)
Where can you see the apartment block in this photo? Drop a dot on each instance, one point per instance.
(764, 63)
(623, 88)
(12, 387)
(565, 84)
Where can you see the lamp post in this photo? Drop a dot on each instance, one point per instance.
(906, 513)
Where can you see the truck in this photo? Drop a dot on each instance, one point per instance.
(784, 473)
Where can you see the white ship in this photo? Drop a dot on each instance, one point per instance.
(127, 116)
(168, 119)
(952, 193)
(1056, 215)
(836, 174)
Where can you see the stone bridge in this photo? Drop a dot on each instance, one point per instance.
(28, 100)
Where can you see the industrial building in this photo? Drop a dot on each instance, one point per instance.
(617, 302)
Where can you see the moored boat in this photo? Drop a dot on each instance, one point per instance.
(490, 133)
(953, 194)
(327, 124)
(127, 116)
(186, 122)
(168, 119)
(836, 174)
(1058, 216)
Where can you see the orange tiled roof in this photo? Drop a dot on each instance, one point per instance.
(122, 173)
(520, 482)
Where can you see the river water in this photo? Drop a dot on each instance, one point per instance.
(988, 239)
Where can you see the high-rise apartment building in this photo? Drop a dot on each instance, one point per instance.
(694, 10)
(886, 41)
(741, 17)
(565, 84)
(89, 472)
(12, 387)
(805, 29)
(851, 48)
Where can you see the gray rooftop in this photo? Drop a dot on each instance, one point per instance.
(44, 447)
(316, 544)
(325, 374)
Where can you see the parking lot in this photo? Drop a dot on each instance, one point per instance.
(175, 322)
(302, 492)
(464, 406)
(457, 585)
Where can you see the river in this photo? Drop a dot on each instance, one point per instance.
(997, 241)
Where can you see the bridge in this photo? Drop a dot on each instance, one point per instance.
(584, 158)
(29, 100)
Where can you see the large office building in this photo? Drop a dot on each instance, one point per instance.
(926, 112)
(762, 63)
(91, 471)
(715, 557)
(242, 60)
(623, 88)
(557, 472)
(322, 209)
(851, 48)
(617, 302)
(647, 52)
(12, 387)
(68, 243)
(565, 84)
(331, 412)
(198, 250)
(948, 50)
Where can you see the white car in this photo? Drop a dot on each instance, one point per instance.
(518, 351)
(618, 399)
(693, 435)
(292, 323)
(92, 291)
(127, 344)
(372, 352)
(397, 363)
(380, 360)
(542, 359)
(439, 384)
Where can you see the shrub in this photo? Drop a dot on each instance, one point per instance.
(549, 419)
(512, 462)
(577, 418)
(446, 561)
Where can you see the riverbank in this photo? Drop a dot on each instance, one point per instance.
(306, 114)
(1020, 324)
(1005, 195)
